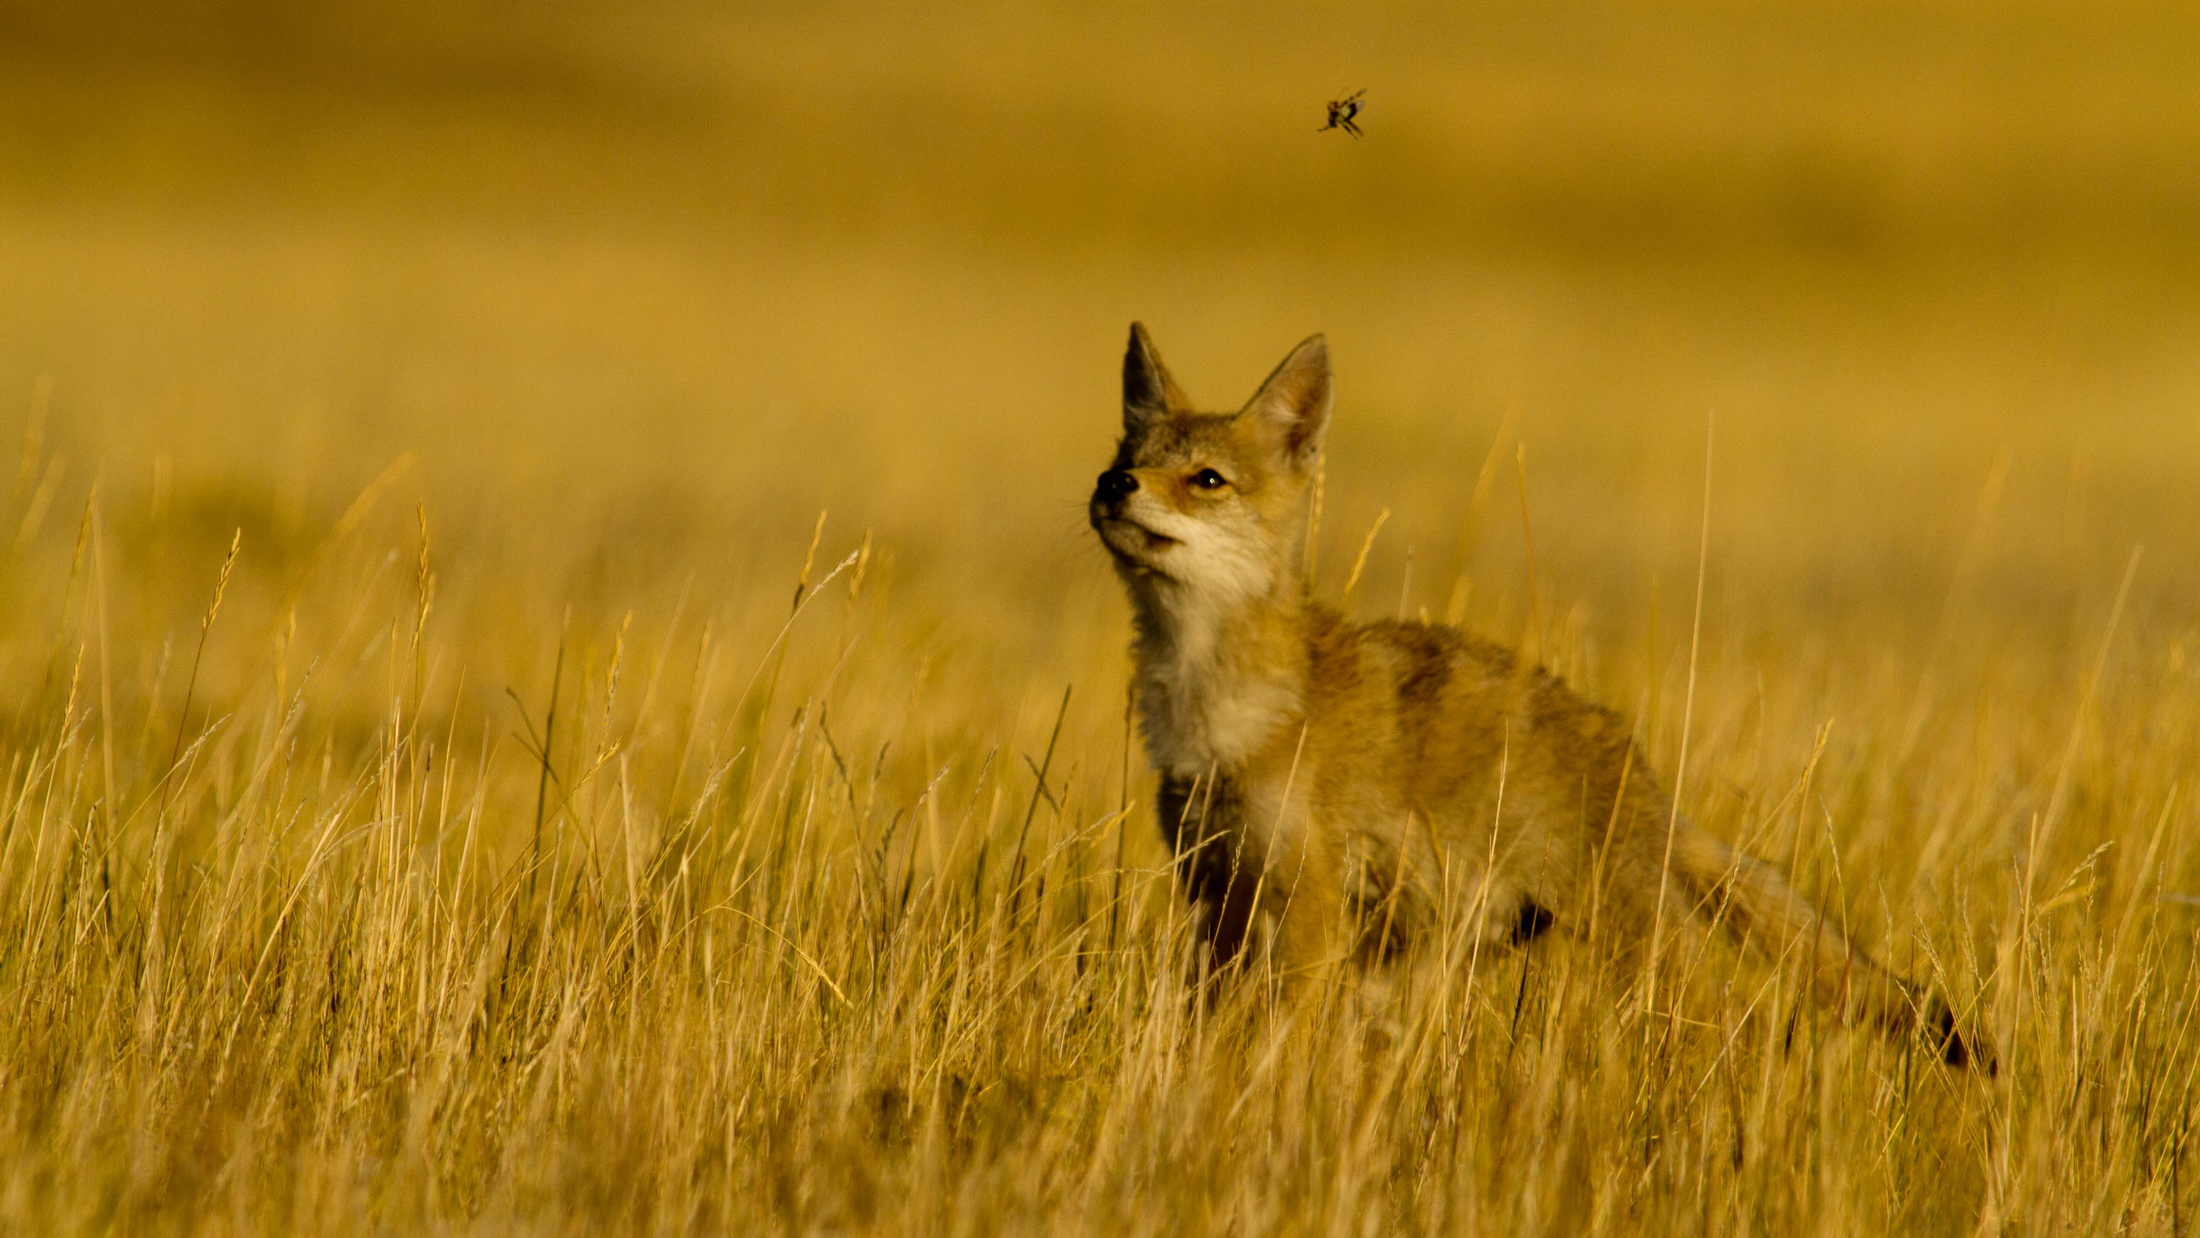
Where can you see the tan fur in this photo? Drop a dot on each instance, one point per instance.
(1314, 769)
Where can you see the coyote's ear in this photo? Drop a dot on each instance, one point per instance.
(1292, 407)
(1148, 391)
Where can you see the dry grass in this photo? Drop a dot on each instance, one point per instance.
(452, 778)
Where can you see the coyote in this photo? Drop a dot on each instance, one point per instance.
(1330, 777)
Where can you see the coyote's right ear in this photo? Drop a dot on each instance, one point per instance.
(1292, 407)
(1148, 391)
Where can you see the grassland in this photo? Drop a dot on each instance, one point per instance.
(552, 679)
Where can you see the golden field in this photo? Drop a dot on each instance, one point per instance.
(553, 679)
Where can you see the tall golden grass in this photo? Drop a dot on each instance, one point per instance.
(552, 678)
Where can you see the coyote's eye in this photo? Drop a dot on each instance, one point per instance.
(1208, 479)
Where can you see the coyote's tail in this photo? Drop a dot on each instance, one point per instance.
(1756, 905)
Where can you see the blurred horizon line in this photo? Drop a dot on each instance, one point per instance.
(1739, 142)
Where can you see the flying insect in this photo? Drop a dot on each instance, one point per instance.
(1342, 113)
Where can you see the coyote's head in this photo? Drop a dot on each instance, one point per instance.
(1212, 503)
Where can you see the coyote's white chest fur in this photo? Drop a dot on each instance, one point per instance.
(1200, 704)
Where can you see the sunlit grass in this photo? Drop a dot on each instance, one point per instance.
(787, 932)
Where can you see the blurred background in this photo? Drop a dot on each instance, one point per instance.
(625, 296)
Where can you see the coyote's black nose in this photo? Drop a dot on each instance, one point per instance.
(1116, 483)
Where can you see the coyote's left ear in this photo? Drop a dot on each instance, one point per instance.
(1148, 391)
(1292, 407)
